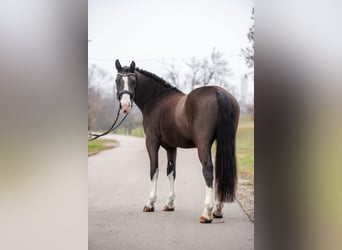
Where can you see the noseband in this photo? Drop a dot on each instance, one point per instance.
(119, 94)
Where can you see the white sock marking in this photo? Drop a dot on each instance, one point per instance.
(218, 210)
(208, 203)
(153, 194)
(219, 206)
(172, 194)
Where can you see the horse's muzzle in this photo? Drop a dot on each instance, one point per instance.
(126, 107)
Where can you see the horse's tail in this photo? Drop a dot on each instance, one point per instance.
(225, 169)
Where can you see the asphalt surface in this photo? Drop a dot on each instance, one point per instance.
(119, 185)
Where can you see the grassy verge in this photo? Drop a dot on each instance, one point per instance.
(99, 145)
(138, 132)
(245, 147)
(245, 161)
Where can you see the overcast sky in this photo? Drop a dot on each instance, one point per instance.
(152, 31)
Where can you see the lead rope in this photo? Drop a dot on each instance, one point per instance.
(112, 128)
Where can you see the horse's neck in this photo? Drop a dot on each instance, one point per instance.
(148, 92)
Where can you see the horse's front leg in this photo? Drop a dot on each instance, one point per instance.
(171, 175)
(152, 148)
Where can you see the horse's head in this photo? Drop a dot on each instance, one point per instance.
(125, 85)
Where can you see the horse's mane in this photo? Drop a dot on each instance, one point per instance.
(156, 78)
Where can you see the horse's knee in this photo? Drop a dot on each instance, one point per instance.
(153, 172)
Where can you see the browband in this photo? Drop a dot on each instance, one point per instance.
(126, 74)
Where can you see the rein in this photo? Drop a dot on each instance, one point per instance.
(112, 128)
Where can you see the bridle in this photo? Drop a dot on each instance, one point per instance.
(119, 94)
(131, 95)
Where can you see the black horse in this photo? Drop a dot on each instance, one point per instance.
(173, 119)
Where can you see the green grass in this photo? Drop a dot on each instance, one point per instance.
(99, 145)
(245, 146)
(138, 132)
(245, 120)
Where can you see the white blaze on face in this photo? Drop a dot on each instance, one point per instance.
(125, 98)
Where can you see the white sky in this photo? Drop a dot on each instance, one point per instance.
(151, 31)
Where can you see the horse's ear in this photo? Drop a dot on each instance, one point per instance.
(132, 67)
(118, 65)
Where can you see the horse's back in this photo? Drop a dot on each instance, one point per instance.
(208, 93)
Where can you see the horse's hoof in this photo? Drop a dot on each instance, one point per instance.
(167, 209)
(218, 216)
(205, 220)
(148, 209)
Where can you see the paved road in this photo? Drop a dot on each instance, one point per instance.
(119, 185)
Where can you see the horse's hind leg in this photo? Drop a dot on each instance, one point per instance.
(218, 210)
(204, 154)
(171, 175)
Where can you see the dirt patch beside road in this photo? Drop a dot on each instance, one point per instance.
(245, 195)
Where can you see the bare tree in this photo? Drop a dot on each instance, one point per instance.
(193, 73)
(94, 105)
(248, 52)
(209, 71)
(172, 74)
(107, 113)
(213, 70)
(97, 77)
